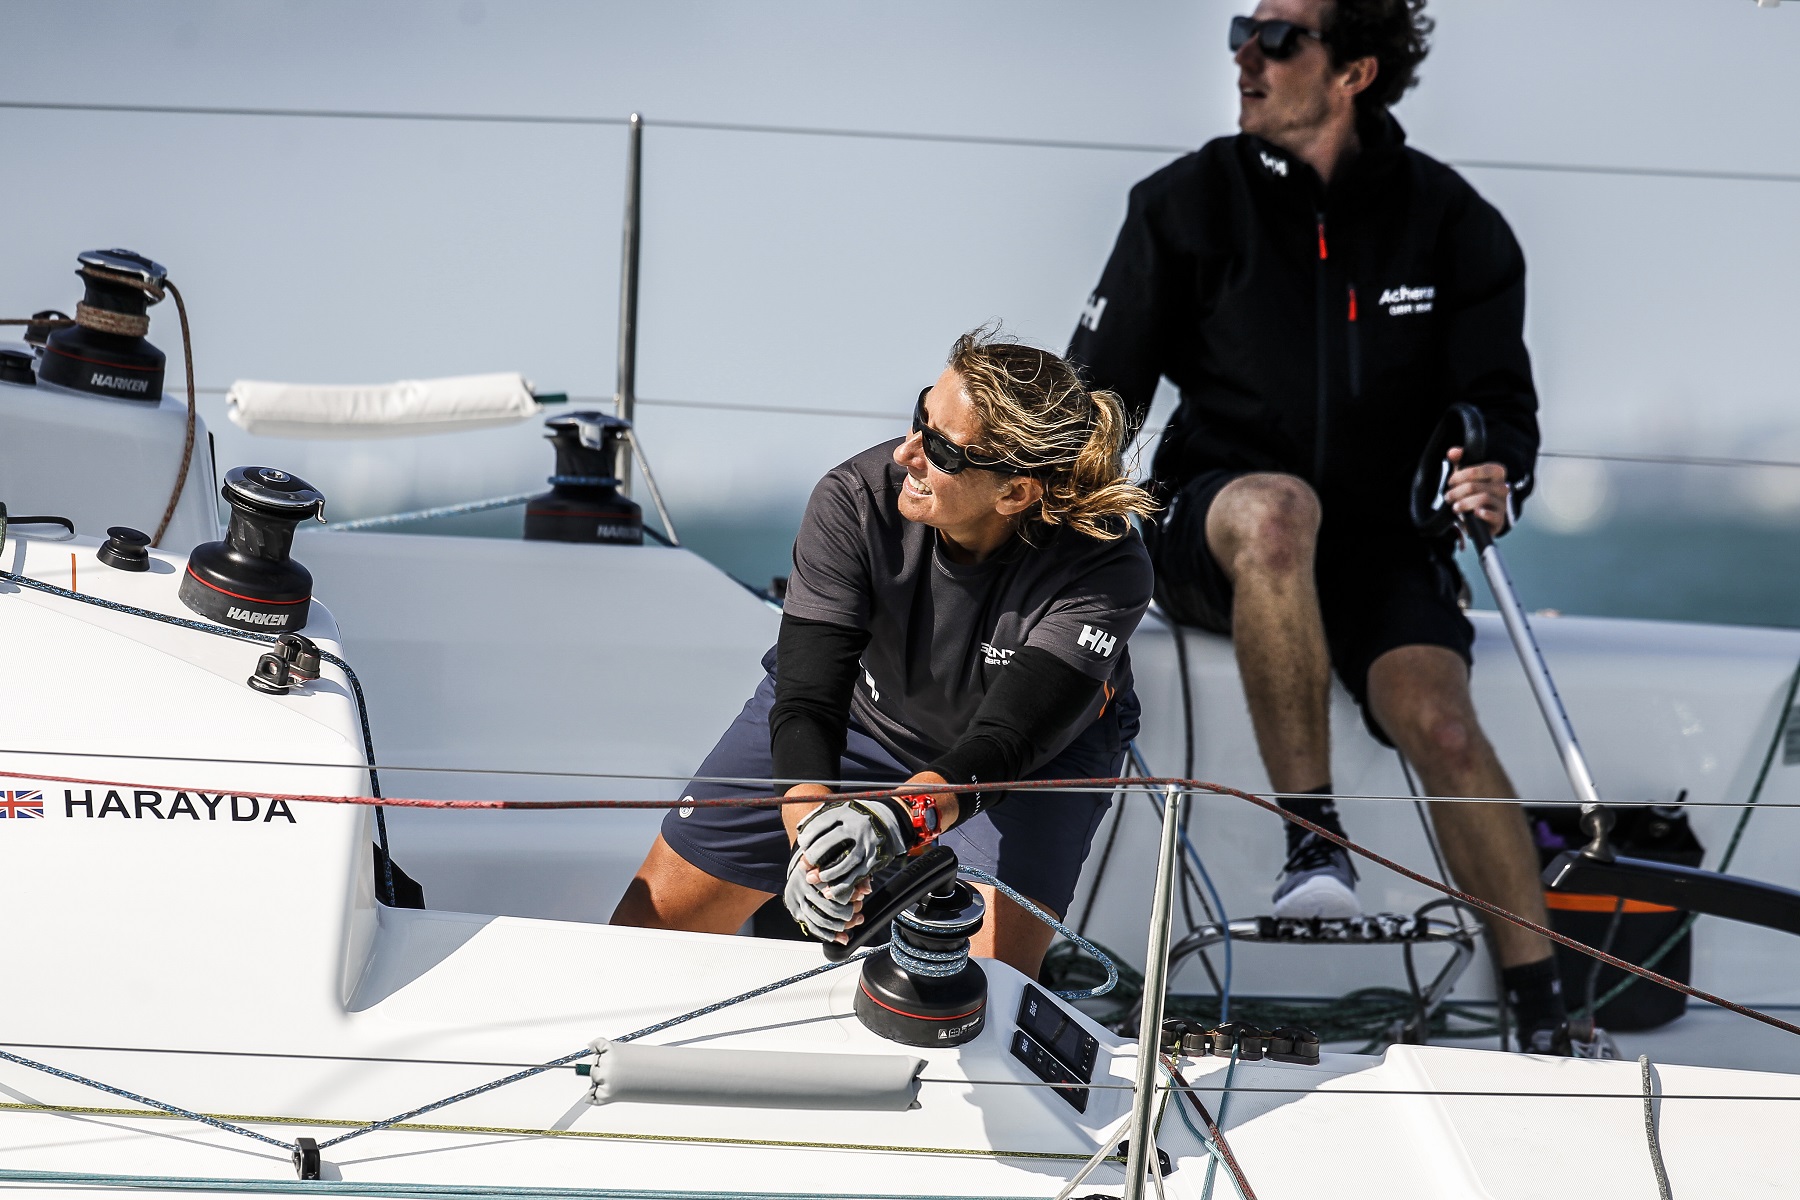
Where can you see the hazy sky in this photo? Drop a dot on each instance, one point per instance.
(830, 271)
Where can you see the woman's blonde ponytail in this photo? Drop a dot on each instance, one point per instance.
(1039, 419)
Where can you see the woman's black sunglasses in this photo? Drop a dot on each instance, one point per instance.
(943, 453)
(1278, 39)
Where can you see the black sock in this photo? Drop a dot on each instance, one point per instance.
(1316, 806)
(1535, 993)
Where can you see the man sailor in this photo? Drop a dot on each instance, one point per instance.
(1320, 293)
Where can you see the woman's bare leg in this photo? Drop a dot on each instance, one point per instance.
(669, 892)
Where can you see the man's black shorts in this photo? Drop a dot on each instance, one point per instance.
(1034, 841)
(1375, 593)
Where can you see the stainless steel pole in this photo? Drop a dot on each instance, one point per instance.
(1562, 731)
(625, 399)
(1140, 1158)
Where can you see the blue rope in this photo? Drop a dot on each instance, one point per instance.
(426, 514)
(227, 1126)
(1212, 1167)
(566, 1059)
(1112, 972)
(406, 1191)
(1212, 1147)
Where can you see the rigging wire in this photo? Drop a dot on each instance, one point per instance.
(1094, 785)
(896, 418)
(891, 135)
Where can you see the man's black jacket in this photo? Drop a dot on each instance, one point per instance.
(1315, 331)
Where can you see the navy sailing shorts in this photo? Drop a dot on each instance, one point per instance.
(1375, 593)
(1035, 841)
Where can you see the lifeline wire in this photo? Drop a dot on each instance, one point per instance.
(1051, 784)
(1657, 460)
(1737, 834)
(464, 1095)
(1475, 902)
(953, 139)
(414, 1191)
(1108, 785)
(1493, 910)
(215, 1122)
(587, 1050)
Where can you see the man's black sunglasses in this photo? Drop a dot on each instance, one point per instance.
(945, 454)
(1278, 39)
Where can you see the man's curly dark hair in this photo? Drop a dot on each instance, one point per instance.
(1396, 33)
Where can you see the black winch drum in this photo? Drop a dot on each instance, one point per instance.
(922, 989)
(106, 354)
(248, 581)
(583, 503)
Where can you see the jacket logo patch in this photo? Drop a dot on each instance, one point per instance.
(1098, 641)
(1092, 311)
(994, 656)
(1277, 165)
(1402, 300)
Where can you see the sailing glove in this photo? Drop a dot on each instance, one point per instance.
(848, 841)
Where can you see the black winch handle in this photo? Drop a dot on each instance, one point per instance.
(929, 871)
(1462, 425)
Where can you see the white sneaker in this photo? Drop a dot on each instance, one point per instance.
(1317, 880)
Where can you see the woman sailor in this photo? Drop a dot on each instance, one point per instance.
(958, 612)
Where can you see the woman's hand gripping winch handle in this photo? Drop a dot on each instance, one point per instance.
(925, 873)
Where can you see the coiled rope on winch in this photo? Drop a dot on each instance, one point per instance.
(1104, 959)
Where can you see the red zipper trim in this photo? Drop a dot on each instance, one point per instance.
(1322, 254)
(1352, 302)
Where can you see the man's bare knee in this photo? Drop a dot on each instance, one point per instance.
(1264, 525)
(1420, 695)
(1449, 741)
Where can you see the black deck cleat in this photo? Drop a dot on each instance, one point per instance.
(1291, 1044)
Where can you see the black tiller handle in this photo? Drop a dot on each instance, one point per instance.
(1462, 425)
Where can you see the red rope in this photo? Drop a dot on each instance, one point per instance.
(1475, 902)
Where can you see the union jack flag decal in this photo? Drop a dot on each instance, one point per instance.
(19, 805)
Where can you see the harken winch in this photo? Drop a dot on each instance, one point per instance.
(105, 351)
(248, 580)
(922, 989)
(583, 503)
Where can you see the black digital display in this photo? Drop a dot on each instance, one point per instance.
(1055, 1046)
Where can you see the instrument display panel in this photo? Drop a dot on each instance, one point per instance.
(1055, 1046)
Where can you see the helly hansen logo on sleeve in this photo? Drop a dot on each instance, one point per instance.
(1092, 311)
(1099, 642)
